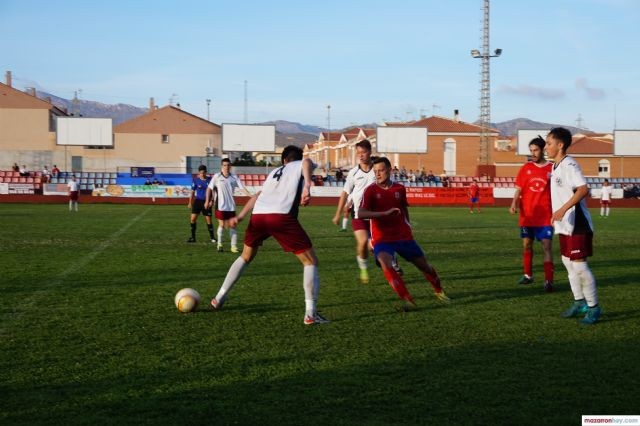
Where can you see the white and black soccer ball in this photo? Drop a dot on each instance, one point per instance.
(187, 300)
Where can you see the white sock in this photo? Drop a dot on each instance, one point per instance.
(606, 211)
(220, 231)
(234, 237)
(310, 282)
(344, 223)
(574, 278)
(70, 205)
(235, 271)
(362, 263)
(602, 211)
(588, 282)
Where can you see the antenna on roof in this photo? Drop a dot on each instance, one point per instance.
(173, 98)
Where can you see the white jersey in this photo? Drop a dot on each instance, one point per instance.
(225, 186)
(281, 191)
(355, 184)
(605, 193)
(73, 185)
(565, 178)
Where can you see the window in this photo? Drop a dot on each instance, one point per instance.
(603, 168)
(165, 138)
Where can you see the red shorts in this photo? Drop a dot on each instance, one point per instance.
(576, 246)
(605, 202)
(284, 228)
(73, 195)
(224, 215)
(360, 224)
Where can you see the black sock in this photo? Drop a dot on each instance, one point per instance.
(193, 230)
(210, 228)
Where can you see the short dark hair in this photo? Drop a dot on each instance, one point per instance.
(225, 160)
(291, 153)
(383, 160)
(563, 135)
(539, 142)
(202, 168)
(364, 143)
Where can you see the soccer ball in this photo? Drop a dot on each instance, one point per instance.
(187, 300)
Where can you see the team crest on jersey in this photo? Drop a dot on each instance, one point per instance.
(558, 181)
(537, 184)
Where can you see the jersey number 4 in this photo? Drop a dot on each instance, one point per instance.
(278, 174)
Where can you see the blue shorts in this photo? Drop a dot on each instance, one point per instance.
(538, 232)
(475, 199)
(408, 249)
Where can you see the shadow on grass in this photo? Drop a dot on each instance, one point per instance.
(524, 383)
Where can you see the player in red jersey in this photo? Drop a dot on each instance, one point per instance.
(474, 195)
(385, 204)
(533, 194)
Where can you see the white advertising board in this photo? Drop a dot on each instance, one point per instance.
(525, 136)
(79, 131)
(626, 142)
(248, 137)
(401, 139)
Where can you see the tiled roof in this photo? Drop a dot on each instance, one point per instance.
(436, 124)
(168, 120)
(591, 145)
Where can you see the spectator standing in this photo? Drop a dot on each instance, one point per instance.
(605, 198)
(72, 190)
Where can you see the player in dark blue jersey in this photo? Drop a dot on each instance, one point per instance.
(196, 204)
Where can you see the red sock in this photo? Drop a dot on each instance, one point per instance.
(548, 271)
(396, 283)
(527, 257)
(434, 279)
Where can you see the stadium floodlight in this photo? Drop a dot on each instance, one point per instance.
(475, 53)
(498, 52)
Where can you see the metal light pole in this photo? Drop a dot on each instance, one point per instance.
(208, 103)
(484, 157)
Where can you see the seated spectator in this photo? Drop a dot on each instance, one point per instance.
(339, 175)
(147, 182)
(46, 175)
(23, 171)
(15, 167)
(55, 171)
(431, 177)
(162, 182)
(155, 181)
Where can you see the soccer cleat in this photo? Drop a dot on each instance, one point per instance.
(234, 249)
(213, 241)
(191, 240)
(407, 306)
(442, 298)
(577, 307)
(548, 286)
(593, 314)
(525, 280)
(220, 249)
(364, 276)
(215, 304)
(315, 319)
(342, 230)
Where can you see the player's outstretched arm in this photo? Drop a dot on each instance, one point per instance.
(307, 166)
(247, 207)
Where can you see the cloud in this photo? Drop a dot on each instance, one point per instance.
(592, 93)
(532, 92)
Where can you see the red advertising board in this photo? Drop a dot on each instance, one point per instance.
(417, 196)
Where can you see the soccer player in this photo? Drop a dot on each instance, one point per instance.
(605, 198)
(385, 204)
(357, 180)
(197, 198)
(275, 214)
(533, 196)
(224, 184)
(572, 222)
(72, 187)
(474, 195)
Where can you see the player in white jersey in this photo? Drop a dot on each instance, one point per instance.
(605, 198)
(72, 190)
(275, 214)
(357, 180)
(572, 222)
(223, 184)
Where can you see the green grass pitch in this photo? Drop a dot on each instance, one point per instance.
(89, 333)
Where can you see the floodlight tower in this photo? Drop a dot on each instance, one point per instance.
(484, 157)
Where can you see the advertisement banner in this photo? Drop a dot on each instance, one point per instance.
(151, 191)
(426, 195)
(147, 172)
(55, 189)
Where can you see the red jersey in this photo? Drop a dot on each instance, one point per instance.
(474, 190)
(535, 194)
(388, 228)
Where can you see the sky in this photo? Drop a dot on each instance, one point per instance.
(563, 61)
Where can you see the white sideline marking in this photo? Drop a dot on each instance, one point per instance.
(27, 302)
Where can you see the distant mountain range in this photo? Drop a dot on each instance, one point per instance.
(287, 132)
